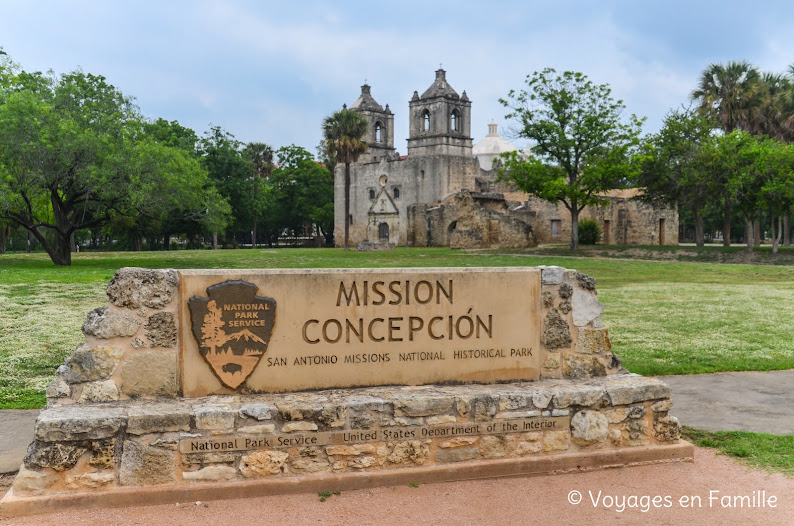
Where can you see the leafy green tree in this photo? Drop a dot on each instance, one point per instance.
(731, 95)
(343, 131)
(230, 172)
(581, 145)
(172, 134)
(303, 192)
(260, 155)
(671, 166)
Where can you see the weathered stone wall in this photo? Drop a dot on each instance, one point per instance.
(115, 419)
(486, 222)
(624, 221)
(131, 346)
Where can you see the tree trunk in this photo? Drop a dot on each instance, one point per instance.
(253, 227)
(748, 234)
(215, 240)
(167, 242)
(30, 246)
(757, 230)
(787, 229)
(3, 239)
(726, 225)
(574, 228)
(347, 206)
(775, 238)
(699, 237)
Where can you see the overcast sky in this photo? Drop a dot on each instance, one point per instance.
(270, 71)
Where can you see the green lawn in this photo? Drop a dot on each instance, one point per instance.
(664, 318)
(773, 453)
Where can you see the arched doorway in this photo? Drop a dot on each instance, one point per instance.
(383, 232)
(450, 229)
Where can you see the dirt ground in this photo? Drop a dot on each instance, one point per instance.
(704, 492)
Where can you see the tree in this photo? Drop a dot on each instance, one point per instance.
(303, 192)
(343, 132)
(671, 166)
(731, 95)
(260, 155)
(776, 194)
(580, 144)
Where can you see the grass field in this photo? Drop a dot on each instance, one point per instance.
(773, 453)
(664, 317)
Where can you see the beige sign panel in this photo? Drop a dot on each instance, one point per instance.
(291, 330)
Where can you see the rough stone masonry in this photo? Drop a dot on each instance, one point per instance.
(122, 414)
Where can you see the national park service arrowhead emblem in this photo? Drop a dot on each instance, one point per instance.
(232, 327)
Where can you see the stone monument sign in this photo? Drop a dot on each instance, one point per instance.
(202, 384)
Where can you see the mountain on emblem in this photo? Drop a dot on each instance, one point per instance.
(232, 327)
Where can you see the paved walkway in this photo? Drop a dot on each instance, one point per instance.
(762, 402)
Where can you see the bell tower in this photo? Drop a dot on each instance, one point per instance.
(380, 129)
(440, 120)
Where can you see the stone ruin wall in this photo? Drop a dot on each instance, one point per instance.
(115, 418)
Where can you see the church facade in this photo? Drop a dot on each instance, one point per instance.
(444, 191)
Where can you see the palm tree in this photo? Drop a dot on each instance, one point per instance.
(261, 157)
(343, 132)
(729, 94)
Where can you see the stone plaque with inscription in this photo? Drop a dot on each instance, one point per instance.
(351, 328)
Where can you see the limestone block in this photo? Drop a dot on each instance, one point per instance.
(105, 324)
(560, 412)
(548, 298)
(463, 407)
(615, 437)
(566, 291)
(309, 460)
(161, 329)
(630, 389)
(565, 307)
(484, 407)
(354, 450)
(71, 423)
(585, 281)
(211, 458)
(33, 482)
(363, 462)
(577, 395)
(638, 431)
(157, 419)
(102, 391)
(88, 364)
(541, 398)
(258, 411)
(300, 425)
(637, 411)
(262, 463)
(134, 287)
(456, 455)
(513, 401)
(458, 442)
(257, 430)
(57, 456)
(422, 405)
(103, 453)
(549, 374)
(589, 427)
(143, 465)
(593, 341)
(497, 446)
(510, 415)
(149, 373)
(556, 333)
(58, 388)
(528, 448)
(616, 415)
(443, 419)
(667, 429)
(662, 406)
(211, 473)
(214, 417)
(553, 360)
(586, 307)
(290, 411)
(333, 415)
(368, 412)
(137, 343)
(551, 275)
(89, 481)
(578, 366)
(405, 452)
(555, 441)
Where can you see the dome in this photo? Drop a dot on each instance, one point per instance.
(491, 146)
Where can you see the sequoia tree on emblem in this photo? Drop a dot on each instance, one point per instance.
(232, 327)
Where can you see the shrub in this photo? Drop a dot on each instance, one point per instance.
(589, 232)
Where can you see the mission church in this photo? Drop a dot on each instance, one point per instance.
(444, 191)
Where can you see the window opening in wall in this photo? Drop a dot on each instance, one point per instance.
(661, 231)
(426, 119)
(555, 227)
(350, 219)
(396, 192)
(455, 120)
(371, 193)
(378, 132)
(422, 174)
(606, 231)
(383, 231)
